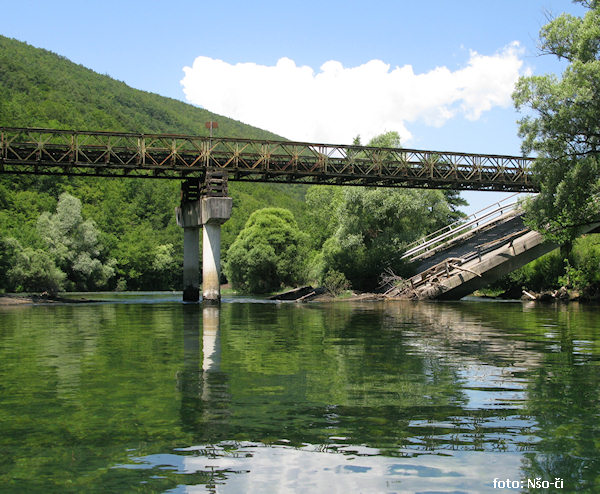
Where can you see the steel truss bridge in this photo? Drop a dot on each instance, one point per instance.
(117, 154)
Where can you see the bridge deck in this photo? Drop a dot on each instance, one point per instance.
(468, 246)
(117, 154)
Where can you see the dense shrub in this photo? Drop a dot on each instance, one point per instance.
(335, 283)
(34, 270)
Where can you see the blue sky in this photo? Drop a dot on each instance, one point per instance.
(439, 72)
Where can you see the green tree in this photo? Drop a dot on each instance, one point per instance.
(563, 127)
(74, 244)
(392, 140)
(386, 140)
(144, 263)
(373, 227)
(322, 203)
(35, 271)
(30, 270)
(8, 250)
(268, 253)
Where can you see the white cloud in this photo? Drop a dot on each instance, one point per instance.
(337, 103)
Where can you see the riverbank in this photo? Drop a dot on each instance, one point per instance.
(348, 298)
(44, 298)
(308, 293)
(560, 295)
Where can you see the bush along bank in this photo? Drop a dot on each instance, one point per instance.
(569, 273)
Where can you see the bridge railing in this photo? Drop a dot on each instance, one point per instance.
(476, 220)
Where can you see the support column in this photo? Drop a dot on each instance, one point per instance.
(191, 263)
(189, 217)
(215, 212)
(211, 261)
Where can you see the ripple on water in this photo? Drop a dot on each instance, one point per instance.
(255, 467)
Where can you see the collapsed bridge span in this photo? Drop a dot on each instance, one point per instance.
(473, 253)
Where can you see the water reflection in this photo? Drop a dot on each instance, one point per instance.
(408, 380)
(379, 397)
(254, 467)
(329, 381)
(190, 379)
(211, 348)
(204, 396)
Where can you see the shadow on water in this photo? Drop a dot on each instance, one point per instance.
(378, 397)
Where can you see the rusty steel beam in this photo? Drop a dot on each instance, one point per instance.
(118, 154)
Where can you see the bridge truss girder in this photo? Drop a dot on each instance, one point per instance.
(115, 154)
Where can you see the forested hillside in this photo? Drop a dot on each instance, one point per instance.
(133, 219)
(40, 88)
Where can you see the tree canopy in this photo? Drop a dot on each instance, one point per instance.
(268, 254)
(562, 126)
(373, 227)
(74, 245)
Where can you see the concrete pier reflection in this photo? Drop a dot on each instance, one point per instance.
(202, 385)
(189, 380)
(211, 347)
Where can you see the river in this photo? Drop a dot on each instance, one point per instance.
(141, 393)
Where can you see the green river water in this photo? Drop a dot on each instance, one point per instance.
(141, 393)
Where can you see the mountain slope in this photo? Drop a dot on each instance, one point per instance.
(40, 88)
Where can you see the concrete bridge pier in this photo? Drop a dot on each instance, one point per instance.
(203, 205)
(215, 212)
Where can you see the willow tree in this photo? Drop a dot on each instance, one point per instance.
(74, 245)
(562, 126)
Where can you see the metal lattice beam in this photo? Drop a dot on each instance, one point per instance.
(117, 154)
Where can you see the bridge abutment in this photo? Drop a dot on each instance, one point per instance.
(203, 205)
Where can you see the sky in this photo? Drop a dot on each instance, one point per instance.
(440, 73)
